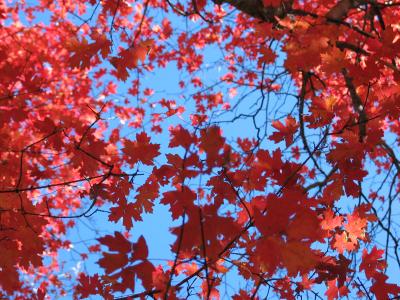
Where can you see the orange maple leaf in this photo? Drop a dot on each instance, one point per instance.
(331, 221)
(343, 243)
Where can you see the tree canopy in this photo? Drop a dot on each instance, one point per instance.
(269, 129)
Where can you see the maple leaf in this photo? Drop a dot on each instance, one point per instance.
(305, 284)
(331, 221)
(382, 289)
(180, 137)
(125, 211)
(276, 219)
(284, 286)
(116, 242)
(343, 243)
(128, 58)
(142, 246)
(120, 190)
(304, 227)
(268, 56)
(333, 60)
(371, 262)
(211, 142)
(322, 111)
(160, 278)
(285, 131)
(89, 285)
(334, 292)
(113, 261)
(141, 150)
(83, 51)
(298, 258)
(330, 268)
(144, 272)
(147, 193)
(118, 264)
(269, 254)
(333, 191)
(179, 200)
(355, 226)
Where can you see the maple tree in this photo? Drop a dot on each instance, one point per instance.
(280, 165)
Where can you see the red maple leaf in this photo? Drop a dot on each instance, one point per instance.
(372, 262)
(126, 261)
(128, 58)
(285, 131)
(125, 211)
(89, 285)
(334, 292)
(82, 51)
(141, 150)
(382, 289)
(211, 141)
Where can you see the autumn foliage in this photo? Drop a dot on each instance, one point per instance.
(272, 140)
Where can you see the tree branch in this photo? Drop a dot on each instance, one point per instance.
(358, 106)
